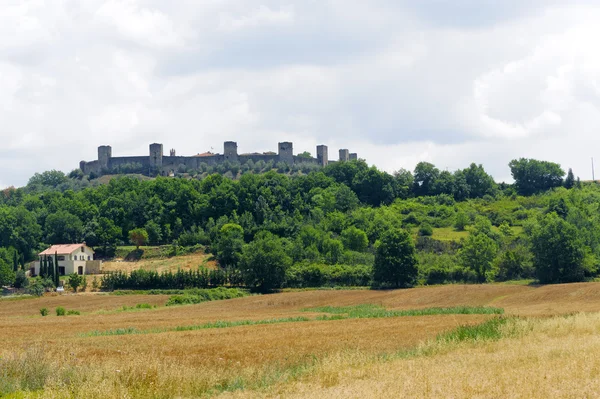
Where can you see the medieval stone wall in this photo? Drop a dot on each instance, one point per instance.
(157, 163)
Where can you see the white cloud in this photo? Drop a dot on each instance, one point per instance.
(398, 82)
(257, 18)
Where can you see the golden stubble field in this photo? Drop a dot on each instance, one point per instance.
(333, 358)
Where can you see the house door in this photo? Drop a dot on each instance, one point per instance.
(61, 270)
(80, 270)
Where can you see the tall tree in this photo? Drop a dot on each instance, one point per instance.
(55, 269)
(229, 245)
(15, 260)
(558, 253)
(425, 176)
(138, 237)
(570, 180)
(7, 275)
(478, 253)
(395, 259)
(265, 262)
(533, 176)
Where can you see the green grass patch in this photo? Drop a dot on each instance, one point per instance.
(486, 331)
(116, 331)
(139, 306)
(366, 311)
(205, 326)
(204, 295)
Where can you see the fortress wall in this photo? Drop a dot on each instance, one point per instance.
(145, 161)
(89, 167)
(211, 160)
(298, 159)
(174, 162)
(257, 157)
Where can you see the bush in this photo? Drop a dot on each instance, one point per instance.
(316, 275)
(73, 312)
(21, 280)
(461, 221)
(198, 296)
(425, 230)
(36, 289)
(60, 311)
(44, 311)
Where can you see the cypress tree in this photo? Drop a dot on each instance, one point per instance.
(56, 282)
(570, 180)
(51, 268)
(15, 261)
(44, 268)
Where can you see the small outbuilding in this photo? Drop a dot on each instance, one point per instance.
(72, 258)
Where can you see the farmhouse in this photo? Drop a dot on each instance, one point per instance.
(72, 258)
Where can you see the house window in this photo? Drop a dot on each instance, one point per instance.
(61, 257)
(89, 257)
(82, 250)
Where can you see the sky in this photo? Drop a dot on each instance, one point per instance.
(397, 81)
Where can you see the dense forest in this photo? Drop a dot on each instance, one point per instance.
(345, 224)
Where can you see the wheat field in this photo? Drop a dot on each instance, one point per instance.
(281, 347)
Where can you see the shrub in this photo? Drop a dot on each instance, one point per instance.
(461, 221)
(60, 311)
(36, 289)
(73, 312)
(44, 311)
(425, 230)
(21, 280)
(198, 296)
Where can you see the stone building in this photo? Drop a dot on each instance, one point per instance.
(156, 163)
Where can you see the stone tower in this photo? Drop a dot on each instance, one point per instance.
(156, 156)
(353, 156)
(322, 156)
(286, 153)
(344, 155)
(230, 151)
(104, 155)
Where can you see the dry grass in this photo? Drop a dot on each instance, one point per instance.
(184, 262)
(301, 358)
(556, 358)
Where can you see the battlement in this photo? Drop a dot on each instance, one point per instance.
(156, 163)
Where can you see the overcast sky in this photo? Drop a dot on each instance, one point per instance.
(445, 81)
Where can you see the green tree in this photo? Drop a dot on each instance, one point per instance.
(461, 221)
(570, 179)
(108, 236)
(229, 245)
(75, 280)
(7, 275)
(21, 280)
(63, 227)
(55, 272)
(558, 253)
(425, 176)
(138, 237)
(478, 253)
(533, 176)
(479, 182)
(355, 239)
(265, 262)
(15, 261)
(154, 232)
(395, 259)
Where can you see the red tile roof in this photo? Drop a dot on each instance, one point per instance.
(205, 154)
(63, 249)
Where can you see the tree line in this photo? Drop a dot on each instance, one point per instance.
(329, 225)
